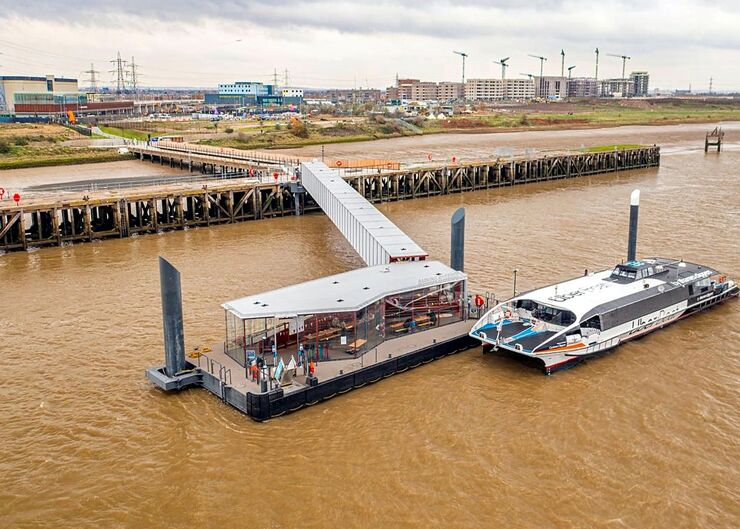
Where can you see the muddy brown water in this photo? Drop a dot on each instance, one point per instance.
(644, 437)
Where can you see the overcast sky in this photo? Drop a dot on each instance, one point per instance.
(346, 43)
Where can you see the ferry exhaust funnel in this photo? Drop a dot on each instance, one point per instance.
(632, 241)
(457, 240)
(174, 336)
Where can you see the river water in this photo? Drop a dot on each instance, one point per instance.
(645, 437)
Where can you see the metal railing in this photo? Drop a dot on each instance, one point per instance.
(225, 152)
(132, 182)
(223, 374)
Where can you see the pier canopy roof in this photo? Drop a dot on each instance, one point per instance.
(349, 291)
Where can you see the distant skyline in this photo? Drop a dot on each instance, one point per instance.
(347, 44)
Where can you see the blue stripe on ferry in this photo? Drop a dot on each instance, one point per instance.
(492, 326)
(524, 333)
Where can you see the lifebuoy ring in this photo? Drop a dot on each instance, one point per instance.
(479, 301)
(429, 157)
(339, 163)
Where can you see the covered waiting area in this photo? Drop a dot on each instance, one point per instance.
(345, 315)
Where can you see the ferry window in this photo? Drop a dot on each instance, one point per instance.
(553, 315)
(593, 322)
(703, 283)
(526, 304)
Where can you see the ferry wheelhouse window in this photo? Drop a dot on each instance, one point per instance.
(623, 272)
(546, 313)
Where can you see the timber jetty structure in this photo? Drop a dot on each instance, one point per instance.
(255, 186)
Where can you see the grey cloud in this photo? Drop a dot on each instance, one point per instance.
(626, 22)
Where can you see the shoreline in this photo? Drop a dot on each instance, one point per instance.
(312, 142)
(9, 165)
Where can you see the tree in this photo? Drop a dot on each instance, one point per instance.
(298, 128)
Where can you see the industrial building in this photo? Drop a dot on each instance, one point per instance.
(498, 89)
(51, 96)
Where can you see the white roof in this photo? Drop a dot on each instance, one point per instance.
(371, 234)
(584, 293)
(349, 291)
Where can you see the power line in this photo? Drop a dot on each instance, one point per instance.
(134, 76)
(38, 51)
(92, 80)
(118, 72)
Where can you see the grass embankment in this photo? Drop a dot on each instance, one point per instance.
(142, 129)
(299, 133)
(618, 146)
(129, 134)
(523, 117)
(39, 145)
(565, 115)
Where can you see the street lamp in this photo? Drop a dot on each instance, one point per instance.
(515, 271)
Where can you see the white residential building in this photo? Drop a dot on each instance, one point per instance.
(498, 89)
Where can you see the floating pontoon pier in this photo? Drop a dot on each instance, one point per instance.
(297, 345)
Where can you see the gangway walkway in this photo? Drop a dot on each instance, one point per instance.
(371, 234)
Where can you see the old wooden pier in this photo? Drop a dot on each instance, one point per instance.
(85, 217)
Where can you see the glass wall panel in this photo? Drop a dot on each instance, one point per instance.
(339, 337)
(330, 336)
(369, 329)
(342, 335)
(235, 338)
(422, 309)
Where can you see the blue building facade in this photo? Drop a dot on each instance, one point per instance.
(254, 94)
(245, 93)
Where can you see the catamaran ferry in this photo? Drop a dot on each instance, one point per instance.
(563, 323)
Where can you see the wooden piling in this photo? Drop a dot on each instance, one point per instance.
(124, 214)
